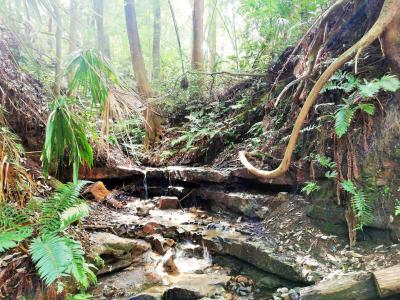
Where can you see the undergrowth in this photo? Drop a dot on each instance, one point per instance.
(59, 259)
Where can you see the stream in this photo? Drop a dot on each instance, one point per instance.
(192, 233)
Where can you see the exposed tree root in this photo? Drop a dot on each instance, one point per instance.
(390, 9)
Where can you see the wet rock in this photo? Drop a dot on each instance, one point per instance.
(181, 294)
(109, 291)
(161, 244)
(197, 175)
(143, 297)
(247, 204)
(169, 263)
(168, 202)
(143, 211)
(113, 266)
(257, 253)
(104, 243)
(201, 285)
(98, 191)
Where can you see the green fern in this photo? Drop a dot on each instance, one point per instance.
(65, 197)
(325, 161)
(56, 257)
(78, 268)
(397, 210)
(51, 256)
(368, 108)
(73, 214)
(390, 83)
(310, 187)
(10, 239)
(359, 92)
(360, 204)
(343, 118)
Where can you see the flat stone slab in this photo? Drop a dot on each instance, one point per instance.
(104, 243)
(180, 173)
(257, 253)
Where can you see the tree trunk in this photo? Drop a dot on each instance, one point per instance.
(98, 16)
(156, 40)
(57, 19)
(73, 19)
(198, 36)
(50, 32)
(152, 122)
(212, 36)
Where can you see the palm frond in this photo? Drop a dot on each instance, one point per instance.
(91, 72)
(65, 135)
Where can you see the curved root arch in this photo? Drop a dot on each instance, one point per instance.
(390, 9)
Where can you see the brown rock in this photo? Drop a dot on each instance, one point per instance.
(167, 202)
(98, 190)
(151, 228)
(160, 244)
(241, 278)
(169, 263)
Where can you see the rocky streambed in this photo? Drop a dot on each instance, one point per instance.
(207, 239)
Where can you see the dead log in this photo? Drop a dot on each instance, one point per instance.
(388, 281)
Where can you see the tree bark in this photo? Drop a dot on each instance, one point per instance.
(152, 122)
(156, 40)
(73, 19)
(57, 19)
(212, 36)
(50, 32)
(98, 6)
(198, 35)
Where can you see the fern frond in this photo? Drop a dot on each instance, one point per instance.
(343, 118)
(79, 269)
(73, 214)
(389, 83)
(362, 209)
(368, 108)
(369, 89)
(51, 256)
(349, 187)
(10, 239)
(12, 217)
(56, 257)
(65, 197)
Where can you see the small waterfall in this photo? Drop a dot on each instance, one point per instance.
(146, 192)
(207, 256)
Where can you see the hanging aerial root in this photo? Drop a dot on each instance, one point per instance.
(390, 9)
